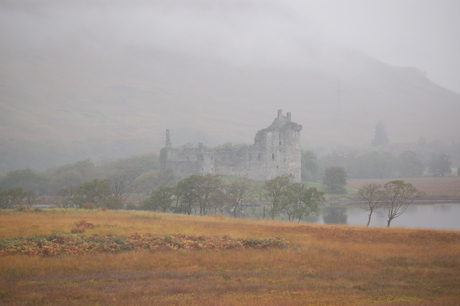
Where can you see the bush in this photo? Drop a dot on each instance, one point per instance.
(89, 205)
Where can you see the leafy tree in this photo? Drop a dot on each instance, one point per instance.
(335, 215)
(96, 191)
(409, 165)
(210, 192)
(150, 180)
(309, 166)
(380, 138)
(161, 199)
(458, 171)
(277, 189)
(302, 201)
(30, 198)
(291, 202)
(9, 198)
(335, 178)
(26, 179)
(187, 194)
(398, 196)
(65, 197)
(440, 165)
(236, 191)
(373, 196)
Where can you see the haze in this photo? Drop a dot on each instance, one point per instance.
(217, 71)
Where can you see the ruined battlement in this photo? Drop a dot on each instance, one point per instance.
(276, 151)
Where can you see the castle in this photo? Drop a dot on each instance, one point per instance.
(276, 151)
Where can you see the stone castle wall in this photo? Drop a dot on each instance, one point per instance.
(276, 151)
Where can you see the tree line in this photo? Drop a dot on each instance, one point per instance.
(209, 194)
(375, 164)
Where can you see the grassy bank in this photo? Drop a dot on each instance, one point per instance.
(332, 265)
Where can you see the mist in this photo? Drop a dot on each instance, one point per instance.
(217, 71)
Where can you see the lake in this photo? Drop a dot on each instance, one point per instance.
(426, 215)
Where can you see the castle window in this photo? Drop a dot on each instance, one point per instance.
(273, 155)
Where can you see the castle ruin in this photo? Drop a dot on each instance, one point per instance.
(275, 152)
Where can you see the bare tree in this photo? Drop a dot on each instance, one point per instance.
(398, 196)
(373, 197)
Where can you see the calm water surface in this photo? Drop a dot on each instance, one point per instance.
(435, 216)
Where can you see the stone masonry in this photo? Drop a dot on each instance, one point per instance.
(276, 151)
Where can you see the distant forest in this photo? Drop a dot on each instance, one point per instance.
(28, 165)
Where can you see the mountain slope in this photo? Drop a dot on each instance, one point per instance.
(70, 94)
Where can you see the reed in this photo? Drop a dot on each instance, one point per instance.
(324, 264)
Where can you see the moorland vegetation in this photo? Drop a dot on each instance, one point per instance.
(316, 264)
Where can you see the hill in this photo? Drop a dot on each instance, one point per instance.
(104, 98)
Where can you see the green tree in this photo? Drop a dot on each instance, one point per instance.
(210, 190)
(237, 190)
(409, 165)
(398, 196)
(26, 179)
(160, 199)
(380, 137)
(373, 197)
(302, 201)
(65, 197)
(309, 166)
(96, 191)
(11, 197)
(335, 178)
(440, 165)
(187, 195)
(277, 190)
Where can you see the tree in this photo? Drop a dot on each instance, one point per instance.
(440, 165)
(161, 199)
(210, 192)
(276, 191)
(380, 138)
(65, 197)
(9, 198)
(26, 179)
(309, 166)
(236, 191)
(373, 196)
(398, 196)
(335, 178)
(458, 171)
(291, 202)
(310, 201)
(186, 192)
(409, 165)
(96, 191)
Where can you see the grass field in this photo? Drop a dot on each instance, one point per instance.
(322, 265)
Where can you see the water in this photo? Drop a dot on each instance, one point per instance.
(434, 216)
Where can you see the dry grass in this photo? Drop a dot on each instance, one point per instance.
(324, 265)
(436, 188)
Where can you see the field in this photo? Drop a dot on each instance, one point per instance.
(436, 188)
(321, 265)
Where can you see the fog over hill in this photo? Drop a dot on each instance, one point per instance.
(121, 72)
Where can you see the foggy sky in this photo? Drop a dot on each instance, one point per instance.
(287, 33)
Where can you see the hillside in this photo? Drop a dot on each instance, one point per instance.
(100, 97)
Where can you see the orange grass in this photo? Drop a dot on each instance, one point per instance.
(324, 264)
